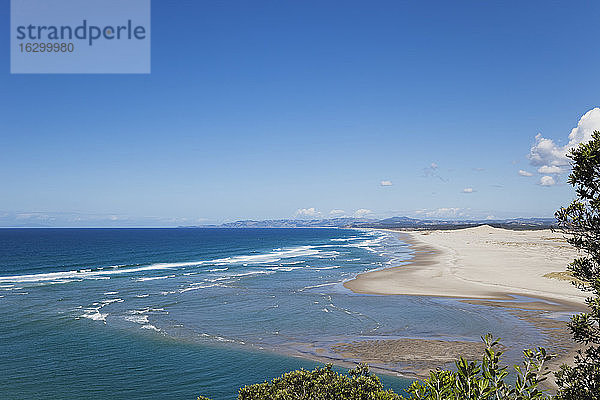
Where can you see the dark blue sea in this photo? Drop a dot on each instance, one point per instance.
(177, 313)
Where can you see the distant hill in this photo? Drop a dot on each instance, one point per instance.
(405, 222)
(388, 223)
(294, 223)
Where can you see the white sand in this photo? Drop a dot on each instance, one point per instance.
(482, 262)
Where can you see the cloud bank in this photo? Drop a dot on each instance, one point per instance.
(444, 212)
(362, 212)
(73, 220)
(308, 213)
(337, 212)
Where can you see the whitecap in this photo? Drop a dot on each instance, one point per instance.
(345, 239)
(143, 311)
(95, 315)
(109, 301)
(153, 278)
(271, 257)
(284, 269)
(151, 327)
(223, 278)
(317, 286)
(274, 256)
(259, 272)
(196, 287)
(138, 319)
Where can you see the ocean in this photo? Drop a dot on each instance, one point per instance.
(177, 313)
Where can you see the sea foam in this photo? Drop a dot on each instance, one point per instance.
(108, 271)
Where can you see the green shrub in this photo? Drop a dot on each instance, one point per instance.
(581, 222)
(320, 384)
(486, 380)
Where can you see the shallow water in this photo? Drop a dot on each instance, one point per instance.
(175, 313)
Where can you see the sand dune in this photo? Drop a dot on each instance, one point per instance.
(481, 262)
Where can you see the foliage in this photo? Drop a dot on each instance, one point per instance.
(320, 384)
(581, 222)
(485, 380)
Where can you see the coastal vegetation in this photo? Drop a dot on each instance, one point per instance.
(322, 384)
(488, 379)
(581, 222)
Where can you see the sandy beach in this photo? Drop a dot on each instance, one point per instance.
(478, 263)
(482, 265)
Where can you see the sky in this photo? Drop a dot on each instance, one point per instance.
(312, 109)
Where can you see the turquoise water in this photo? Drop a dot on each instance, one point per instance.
(176, 313)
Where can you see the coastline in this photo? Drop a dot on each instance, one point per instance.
(486, 266)
(477, 263)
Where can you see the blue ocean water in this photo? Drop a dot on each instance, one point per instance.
(176, 313)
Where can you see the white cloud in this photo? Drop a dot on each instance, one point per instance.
(362, 212)
(546, 153)
(586, 126)
(337, 213)
(308, 213)
(468, 190)
(550, 169)
(386, 183)
(34, 216)
(525, 173)
(547, 181)
(445, 212)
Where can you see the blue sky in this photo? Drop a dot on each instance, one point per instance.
(277, 109)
